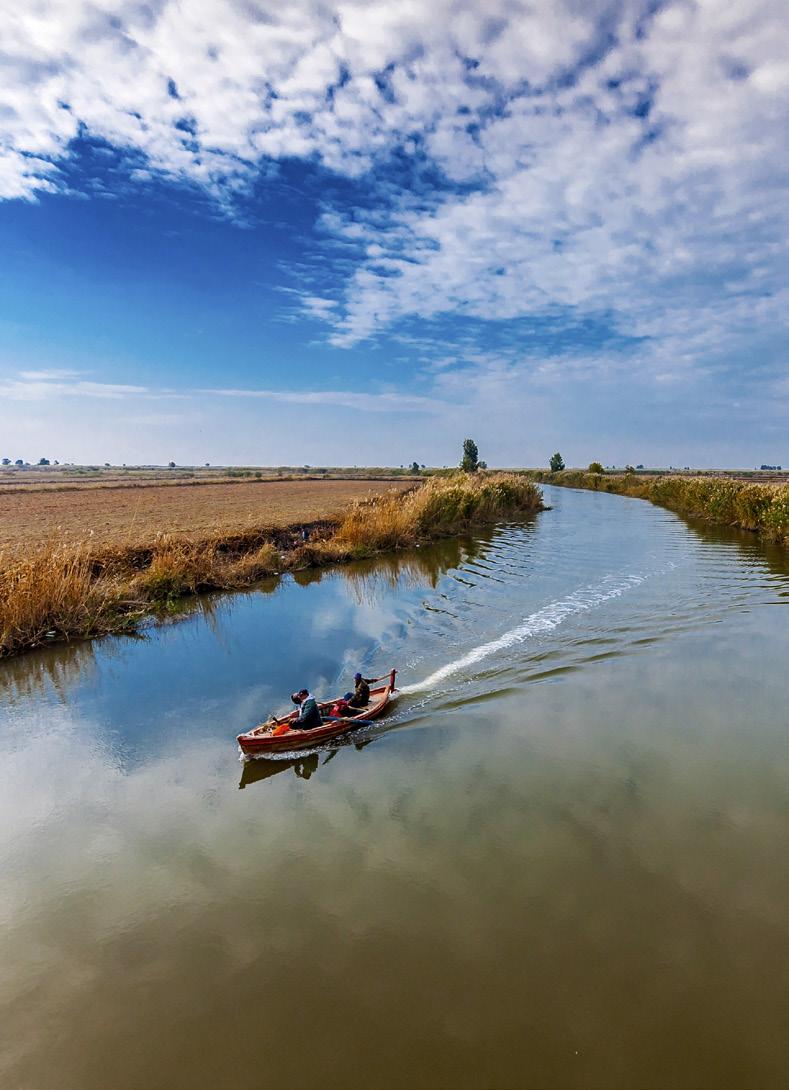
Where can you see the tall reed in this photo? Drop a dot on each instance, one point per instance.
(53, 591)
(763, 508)
(59, 591)
(442, 506)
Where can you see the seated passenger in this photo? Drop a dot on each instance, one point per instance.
(342, 708)
(309, 715)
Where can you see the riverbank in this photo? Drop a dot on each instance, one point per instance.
(77, 588)
(761, 508)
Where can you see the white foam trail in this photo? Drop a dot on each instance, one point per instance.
(544, 620)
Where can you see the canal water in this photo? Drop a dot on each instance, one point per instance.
(560, 862)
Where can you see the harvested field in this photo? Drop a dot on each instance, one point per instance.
(131, 517)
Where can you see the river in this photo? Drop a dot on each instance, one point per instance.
(560, 862)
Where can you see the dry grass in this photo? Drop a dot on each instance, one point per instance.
(762, 508)
(58, 590)
(53, 590)
(444, 505)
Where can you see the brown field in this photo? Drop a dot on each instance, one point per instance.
(69, 478)
(124, 516)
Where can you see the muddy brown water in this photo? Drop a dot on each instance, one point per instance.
(560, 862)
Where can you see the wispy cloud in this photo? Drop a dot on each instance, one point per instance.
(50, 384)
(40, 385)
(549, 161)
(349, 399)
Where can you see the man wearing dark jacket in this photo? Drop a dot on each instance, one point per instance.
(361, 696)
(309, 715)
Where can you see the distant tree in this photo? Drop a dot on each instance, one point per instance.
(43, 461)
(171, 465)
(207, 464)
(596, 467)
(470, 461)
(6, 461)
(482, 465)
(415, 467)
(19, 462)
(630, 469)
(106, 465)
(56, 463)
(557, 463)
(423, 466)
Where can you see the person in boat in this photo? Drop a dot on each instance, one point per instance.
(361, 695)
(309, 715)
(342, 708)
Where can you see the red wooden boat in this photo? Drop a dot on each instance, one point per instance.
(268, 738)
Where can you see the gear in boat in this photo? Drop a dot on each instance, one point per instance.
(312, 722)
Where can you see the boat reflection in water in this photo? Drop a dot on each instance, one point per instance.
(263, 768)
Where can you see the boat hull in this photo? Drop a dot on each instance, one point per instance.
(262, 741)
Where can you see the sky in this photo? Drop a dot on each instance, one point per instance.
(355, 233)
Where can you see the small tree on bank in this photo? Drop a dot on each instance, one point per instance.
(596, 467)
(470, 461)
(557, 462)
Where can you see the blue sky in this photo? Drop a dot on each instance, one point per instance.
(354, 233)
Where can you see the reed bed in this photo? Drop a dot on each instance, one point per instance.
(443, 506)
(63, 590)
(761, 508)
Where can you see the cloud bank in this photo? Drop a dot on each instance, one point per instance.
(552, 162)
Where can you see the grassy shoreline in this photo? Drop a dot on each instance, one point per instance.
(61, 591)
(760, 508)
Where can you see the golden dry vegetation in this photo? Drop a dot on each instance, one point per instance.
(762, 507)
(60, 586)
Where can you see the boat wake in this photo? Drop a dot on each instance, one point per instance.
(542, 621)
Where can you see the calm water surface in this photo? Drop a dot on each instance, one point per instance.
(561, 862)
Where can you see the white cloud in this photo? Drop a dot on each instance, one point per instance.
(615, 164)
(41, 385)
(349, 399)
(202, 94)
(49, 384)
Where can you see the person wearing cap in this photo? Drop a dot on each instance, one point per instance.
(309, 715)
(361, 695)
